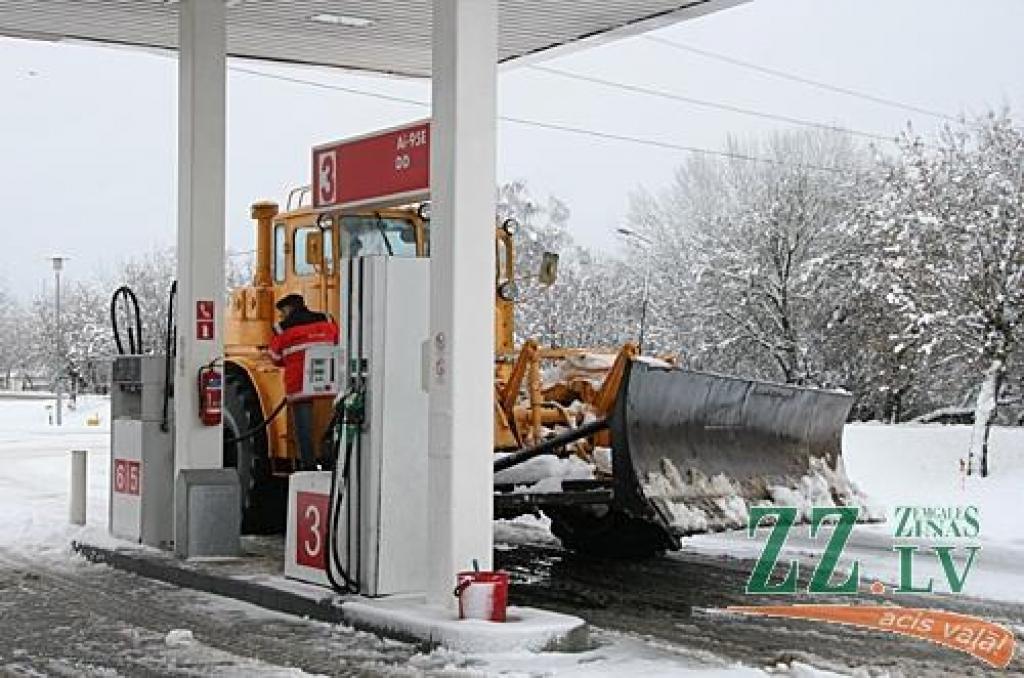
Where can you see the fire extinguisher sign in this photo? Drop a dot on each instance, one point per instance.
(204, 320)
(311, 529)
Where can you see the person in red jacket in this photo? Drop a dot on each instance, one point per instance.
(299, 329)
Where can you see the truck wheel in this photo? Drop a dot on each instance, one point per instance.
(263, 496)
(608, 532)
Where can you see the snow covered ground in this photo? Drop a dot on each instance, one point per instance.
(34, 482)
(919, 465)
(35, 476)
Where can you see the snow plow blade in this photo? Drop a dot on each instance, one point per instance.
(692, 451)
(697, 448)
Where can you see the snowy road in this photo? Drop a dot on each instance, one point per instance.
(78, 619)
(678, 599)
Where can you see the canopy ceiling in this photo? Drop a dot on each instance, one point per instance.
(387, 36)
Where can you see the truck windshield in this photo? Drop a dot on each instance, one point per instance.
(365, 235)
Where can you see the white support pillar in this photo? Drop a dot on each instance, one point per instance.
(201, 180)
(462, 187)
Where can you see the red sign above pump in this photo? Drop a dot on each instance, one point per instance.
(381, 169)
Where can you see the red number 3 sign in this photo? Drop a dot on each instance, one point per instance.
(311, 516)
(327, 177)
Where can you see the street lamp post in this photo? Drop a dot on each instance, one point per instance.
(633, 235)
(58, 265)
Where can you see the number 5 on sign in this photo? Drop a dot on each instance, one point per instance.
(311, 516)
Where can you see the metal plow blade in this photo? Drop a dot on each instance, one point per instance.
(692, 451)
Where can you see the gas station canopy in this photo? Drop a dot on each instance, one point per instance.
(386, 36)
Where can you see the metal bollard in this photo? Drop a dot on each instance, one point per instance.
(79, 477)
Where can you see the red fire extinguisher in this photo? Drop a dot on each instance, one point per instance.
(210, 390)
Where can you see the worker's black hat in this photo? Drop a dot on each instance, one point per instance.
(292, 299)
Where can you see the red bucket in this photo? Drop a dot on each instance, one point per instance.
(482, 595)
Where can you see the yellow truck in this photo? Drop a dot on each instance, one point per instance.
(668, 451)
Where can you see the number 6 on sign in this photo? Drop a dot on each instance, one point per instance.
(311, 519)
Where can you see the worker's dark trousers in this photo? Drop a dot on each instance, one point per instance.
(302, 416)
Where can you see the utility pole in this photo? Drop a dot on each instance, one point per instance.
(58, 265)
(647, 244)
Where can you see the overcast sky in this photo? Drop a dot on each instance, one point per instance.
(87, 134)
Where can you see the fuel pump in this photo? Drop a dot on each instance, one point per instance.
(141, 493)
(372, 506)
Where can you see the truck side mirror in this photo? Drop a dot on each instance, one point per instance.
(315, 248)
(548, 269)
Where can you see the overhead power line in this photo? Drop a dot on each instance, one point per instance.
(801, 79)
(324, 85)
(551, 126)
(649, 91)
(667, 144)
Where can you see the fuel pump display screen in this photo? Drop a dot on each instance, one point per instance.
(321, 370)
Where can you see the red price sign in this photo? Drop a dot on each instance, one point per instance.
(311, 529)
(127, 477)
(390, 167)
(204, 320)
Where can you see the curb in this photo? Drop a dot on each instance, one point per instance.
(326, 609)
(417, 623)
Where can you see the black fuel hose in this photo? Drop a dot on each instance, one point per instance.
(348, 583)
(259, 427)
(170, 350)
(550, 445)
(127, 297)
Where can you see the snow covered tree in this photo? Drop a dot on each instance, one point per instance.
(591, 303)
(951, 221)
(13, 345)
(149, 275)
(77, 354)
(751, 257)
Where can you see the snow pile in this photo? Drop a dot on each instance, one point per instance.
(588, 367)
(546, 466)
(734, 510)
(721, 504)
(179, 638)
(653, 362)
(687, 519)
(697, 503)
(812, 491)
(525, 529)
(669, 482)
